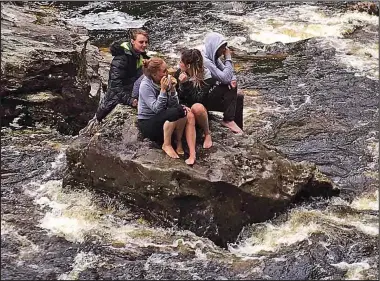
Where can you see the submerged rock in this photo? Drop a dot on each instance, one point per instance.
(236, 182)
(49, 72)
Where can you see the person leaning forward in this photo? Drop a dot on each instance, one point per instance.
(223, 97)
(159, 113)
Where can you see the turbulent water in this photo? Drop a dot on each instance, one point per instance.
(49, 232)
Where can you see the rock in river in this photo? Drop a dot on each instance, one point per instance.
(236, 182)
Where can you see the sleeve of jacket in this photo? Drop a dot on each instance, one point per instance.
(221, 72)
(136, 87)
(173, 100)
(156, 104)
(120, 82)
(179, 87)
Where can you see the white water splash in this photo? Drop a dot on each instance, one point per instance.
(110, 20)
(291, 24)
(354, 270)
(300, 224)
(82, 261)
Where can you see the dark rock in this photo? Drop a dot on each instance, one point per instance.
(371, 8)
(236, 182)
(46, 73)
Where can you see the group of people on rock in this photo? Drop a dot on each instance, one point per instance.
(169, 106)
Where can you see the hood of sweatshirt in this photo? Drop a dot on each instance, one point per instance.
(213, 41)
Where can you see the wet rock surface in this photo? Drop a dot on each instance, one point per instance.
(29, 251)
(322, 114)
(236, 182)
(48, 72)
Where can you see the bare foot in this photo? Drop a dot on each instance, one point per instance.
(179, 150)
(232, 126)
(190, 161)
(169, 151)
(207, 143)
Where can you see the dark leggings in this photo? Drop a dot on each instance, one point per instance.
(153, 128)
(226, 100)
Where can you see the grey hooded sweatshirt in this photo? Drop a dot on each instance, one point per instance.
(222, 72)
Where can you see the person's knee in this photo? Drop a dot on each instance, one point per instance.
(198, 109)
(168, 125)
(190, 118)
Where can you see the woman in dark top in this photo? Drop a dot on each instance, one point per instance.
(194, 84)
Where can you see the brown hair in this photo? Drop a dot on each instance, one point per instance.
(137, 31)
(151, 66)
(193, 58)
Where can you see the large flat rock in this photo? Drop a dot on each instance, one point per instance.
(236, 182)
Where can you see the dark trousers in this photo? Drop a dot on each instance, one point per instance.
(153, 128)
(226, 100)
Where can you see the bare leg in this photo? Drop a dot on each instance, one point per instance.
(201, 118)
(179, 128)
(167, 146)
(190, 138)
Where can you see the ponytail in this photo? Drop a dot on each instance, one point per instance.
(194, 60)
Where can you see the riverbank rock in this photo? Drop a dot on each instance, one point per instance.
(236, 182)
(49, 71)
(371, 8)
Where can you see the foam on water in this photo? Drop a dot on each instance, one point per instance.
(76, 216)
(82, 261)
(110, 20)
(355, 271)
(301, 223)
(291, 24)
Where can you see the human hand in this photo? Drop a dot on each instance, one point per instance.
(164, 84)
(182, 77)
(187, 109)
(227, 52)
(134, 103)
(173, 83)
(233, 84)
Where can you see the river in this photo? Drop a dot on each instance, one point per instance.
(318, 105)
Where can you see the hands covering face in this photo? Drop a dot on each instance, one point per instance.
(166, 85)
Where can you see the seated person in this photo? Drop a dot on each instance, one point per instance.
(224, 97)
(126, 68)
(159, 111)
(194, 83)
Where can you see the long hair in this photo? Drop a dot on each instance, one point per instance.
(152, 66)
(193, 60)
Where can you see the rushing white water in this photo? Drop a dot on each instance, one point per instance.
(82, 261)
(76, 215)
(110, 20)
(291, 24)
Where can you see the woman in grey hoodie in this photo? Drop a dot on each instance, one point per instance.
(159, 111)
(223, 97)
